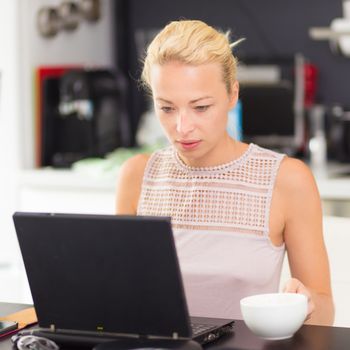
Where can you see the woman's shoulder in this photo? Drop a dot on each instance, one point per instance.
(137, 164)
(134, 167)
(295, 175)
(296, 197)
(129, 184)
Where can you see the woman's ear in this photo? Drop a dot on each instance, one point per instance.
(234, 94)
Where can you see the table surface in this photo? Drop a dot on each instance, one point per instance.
(307, 338)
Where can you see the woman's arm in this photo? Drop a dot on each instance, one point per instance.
(303, 236)
(129, 184)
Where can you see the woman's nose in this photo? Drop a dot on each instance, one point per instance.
(184, 123)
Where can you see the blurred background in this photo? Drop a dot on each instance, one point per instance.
(71, 110)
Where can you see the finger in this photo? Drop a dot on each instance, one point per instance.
(295, 286)
(291, 286)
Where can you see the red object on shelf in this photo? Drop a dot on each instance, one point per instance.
(310, 83)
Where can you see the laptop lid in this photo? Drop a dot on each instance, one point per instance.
(104, 273)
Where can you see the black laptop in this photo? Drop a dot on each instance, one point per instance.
(103, 277)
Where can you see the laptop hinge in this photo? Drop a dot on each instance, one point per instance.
(174, 336)
(56, 330)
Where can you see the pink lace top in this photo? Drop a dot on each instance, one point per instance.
(220, 219)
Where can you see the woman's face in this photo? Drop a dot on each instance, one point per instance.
(192, 104)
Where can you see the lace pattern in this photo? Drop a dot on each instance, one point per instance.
(233, 197)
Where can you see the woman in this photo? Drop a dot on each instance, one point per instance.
(235, 207)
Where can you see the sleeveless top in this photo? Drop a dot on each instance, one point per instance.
(220, 219)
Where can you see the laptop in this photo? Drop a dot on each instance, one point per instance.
(103, 277)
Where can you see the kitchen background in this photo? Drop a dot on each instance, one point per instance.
(272, 29)
(275, 31)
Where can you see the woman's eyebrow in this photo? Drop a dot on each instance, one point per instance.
(160, 99)
(201, 98)
(163, 100)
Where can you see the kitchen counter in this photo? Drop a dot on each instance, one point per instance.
(334, 188)
(77, 190)
(333, 183)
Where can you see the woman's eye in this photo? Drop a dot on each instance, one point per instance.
(167, 109)
(202, 108)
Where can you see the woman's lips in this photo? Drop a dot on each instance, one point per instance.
(189, 144)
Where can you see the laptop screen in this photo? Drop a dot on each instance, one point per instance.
(103, 273)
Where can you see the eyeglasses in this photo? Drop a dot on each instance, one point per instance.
(33, 342)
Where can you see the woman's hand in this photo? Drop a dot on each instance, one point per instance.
(295, 286)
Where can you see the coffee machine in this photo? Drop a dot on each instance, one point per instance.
(86, 116)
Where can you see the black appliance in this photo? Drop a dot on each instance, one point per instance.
(84, 115)
(339, 134)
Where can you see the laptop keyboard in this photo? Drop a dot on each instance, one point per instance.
(198, 328)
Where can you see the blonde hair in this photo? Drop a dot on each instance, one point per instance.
(191, 42)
